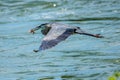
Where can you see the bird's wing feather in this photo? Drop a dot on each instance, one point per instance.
(55, 36)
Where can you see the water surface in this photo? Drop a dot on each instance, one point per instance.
(77, 58)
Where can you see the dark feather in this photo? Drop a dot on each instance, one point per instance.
(46, 44)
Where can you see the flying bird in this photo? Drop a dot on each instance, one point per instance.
(56, 32)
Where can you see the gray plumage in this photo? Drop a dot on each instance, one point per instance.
(57, 32)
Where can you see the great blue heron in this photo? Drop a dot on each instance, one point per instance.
(57, 32)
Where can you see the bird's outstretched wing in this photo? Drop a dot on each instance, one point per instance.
(55, 36)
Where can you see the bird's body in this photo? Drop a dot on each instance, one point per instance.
(57, 32)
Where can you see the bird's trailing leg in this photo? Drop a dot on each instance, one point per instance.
(93, 35)
(79, 31)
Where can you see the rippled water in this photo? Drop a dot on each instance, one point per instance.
(77, 58)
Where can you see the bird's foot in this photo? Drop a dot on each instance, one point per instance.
(99, 36)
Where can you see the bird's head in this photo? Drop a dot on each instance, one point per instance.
(43, 25)
(45, 28)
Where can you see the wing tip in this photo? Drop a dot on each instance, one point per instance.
(35, 51)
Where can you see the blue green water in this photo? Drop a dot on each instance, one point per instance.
(77, 58)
